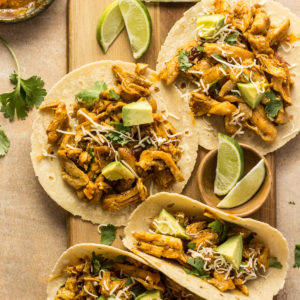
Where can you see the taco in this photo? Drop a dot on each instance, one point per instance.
(93, 271)
(236, 63)
(106, 137)
(217, 255)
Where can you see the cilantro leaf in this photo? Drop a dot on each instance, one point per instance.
(4, 143)
(232, 38)
(92, 94)
(292, 202)
(138, 289)
(221, 229)
(120, 259)
(113, 95)
(108, 234)
(118, 137)
(191, 245)
(297, 256)
(200, 48)
(274, 263)
(96, 263)
(183, 58)
(197, 269)
(271, 95)
(273, 107)
(128, 281)
(26, 93)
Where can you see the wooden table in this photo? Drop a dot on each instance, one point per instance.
(33, 227)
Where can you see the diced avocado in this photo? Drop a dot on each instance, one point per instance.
(208, 25)
(167, 224)
(250, 94)
(232, 250)
(137, 113)
(150, 295)
(115, 171)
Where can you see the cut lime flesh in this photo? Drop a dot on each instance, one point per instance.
(138, 25)
(110, 25)
(246, 188)
(230, 165)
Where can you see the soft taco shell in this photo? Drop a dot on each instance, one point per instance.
(184, 31)
(72, 255)
(259, 288)
(48, 170)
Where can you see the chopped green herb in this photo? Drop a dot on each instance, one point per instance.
(271, 95)
(273, 107)
(232, 38)
(118, 137)
(220, 59)
(213, 83)
(92, 94)
(138, 289)
(191, 245)
(113, 95)
(183, 58)
(274, 263)
(241, 270)
(128, 281)
(95, 177)
(292, 202)
(63, 285)
(297, 256)
(108, 234)
(200, 48)
(197, 267)
(4, 143)
(26, 94)
(96, 263)
(221, 229)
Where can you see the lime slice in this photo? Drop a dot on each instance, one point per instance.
(110, 25)
(138, 24)
(246, 188)
(230, 165)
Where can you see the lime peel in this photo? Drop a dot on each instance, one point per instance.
(246, 188)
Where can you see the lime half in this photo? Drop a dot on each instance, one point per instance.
(138, 24)
(246, 188)
(110, 25)
(230, 165)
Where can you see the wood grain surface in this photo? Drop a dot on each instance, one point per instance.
(83, 48)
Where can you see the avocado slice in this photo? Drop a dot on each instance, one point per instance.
(250, 94)
(150, 295)
(137, 113)
(232, 250)
(115, 171)
(208, 25)
(169, 225)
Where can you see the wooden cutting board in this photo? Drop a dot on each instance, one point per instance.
(83, 48)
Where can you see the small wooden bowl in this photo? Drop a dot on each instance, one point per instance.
(206, 176)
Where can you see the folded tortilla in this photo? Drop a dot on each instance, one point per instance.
(184, 31)
(260, 288)
(73, 254)
(48, 169)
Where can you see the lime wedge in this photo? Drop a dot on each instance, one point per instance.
(246, 188)
(110, 25)
(138, 24)
(230, 165)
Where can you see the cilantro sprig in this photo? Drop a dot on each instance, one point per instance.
(221, 229)
(119, 136)
(197, 267)
(274, 263)
(183, 58)
(92, 94)
(26, 94)
(273, 106)
(108, 234)
(232, 38)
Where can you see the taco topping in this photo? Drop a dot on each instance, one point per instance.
(234, 69)
(98, 277)
(224, 254)
(114, 142)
